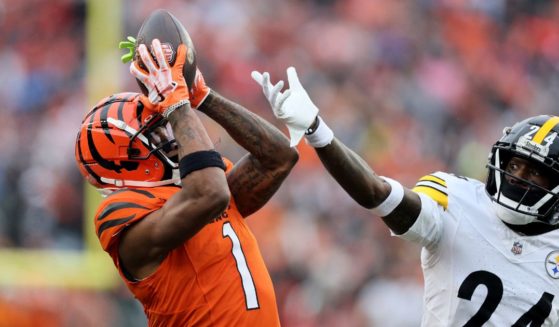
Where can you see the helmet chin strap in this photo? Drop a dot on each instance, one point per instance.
(512, 217)
(119, 183)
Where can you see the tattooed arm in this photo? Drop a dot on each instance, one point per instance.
(146, 243)
(259, 174)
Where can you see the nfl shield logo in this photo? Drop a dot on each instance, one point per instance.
(516, 248)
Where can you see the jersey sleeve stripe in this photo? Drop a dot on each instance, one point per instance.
(440, 197)
(430, 184)
(118, 206)
(112, 223)
(146, 193)
(433, 179)
(143, 192)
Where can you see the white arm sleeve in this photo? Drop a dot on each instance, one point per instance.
(428, 227)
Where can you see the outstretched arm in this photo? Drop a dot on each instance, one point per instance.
(259, 174)
(344, 165)
(366, 187)
(353, 174)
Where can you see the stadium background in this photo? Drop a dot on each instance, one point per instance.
(414, 86)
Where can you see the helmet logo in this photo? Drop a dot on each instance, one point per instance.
(537, 141)
(552, 264)
(528, 147)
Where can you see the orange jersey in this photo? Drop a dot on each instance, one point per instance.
(216, 278)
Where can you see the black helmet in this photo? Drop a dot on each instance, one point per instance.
(533, 139)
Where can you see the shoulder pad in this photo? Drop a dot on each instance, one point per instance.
(434, 186)
(122, 208)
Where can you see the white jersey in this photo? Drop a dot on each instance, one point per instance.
(477, 271)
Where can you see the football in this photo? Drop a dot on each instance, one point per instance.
(162, 25)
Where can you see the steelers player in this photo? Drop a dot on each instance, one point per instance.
(490, 251)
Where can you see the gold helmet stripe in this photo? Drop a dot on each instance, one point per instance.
(544, 130)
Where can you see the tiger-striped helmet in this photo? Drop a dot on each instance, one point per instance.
(115, 147)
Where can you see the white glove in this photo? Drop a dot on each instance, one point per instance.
(293, 107)
(157, 79)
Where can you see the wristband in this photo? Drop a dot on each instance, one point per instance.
(321, 136)
(313, 126)
(200, 160)
(392, 201)
(169, 110)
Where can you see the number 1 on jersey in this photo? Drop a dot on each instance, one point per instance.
(249, 289)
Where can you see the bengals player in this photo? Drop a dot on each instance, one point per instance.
(490, 251)
(173, 221)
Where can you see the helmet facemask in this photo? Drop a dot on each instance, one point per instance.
(524, 201)
(518, 201)
(158, 136)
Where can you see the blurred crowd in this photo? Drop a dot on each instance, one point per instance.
(42, 96)
(414, 86)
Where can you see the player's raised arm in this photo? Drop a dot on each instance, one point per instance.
(204, 194)
(398, 206)
(258, 175)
